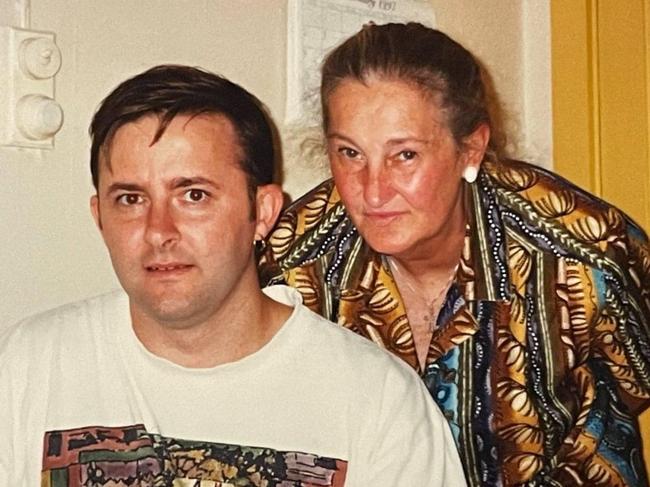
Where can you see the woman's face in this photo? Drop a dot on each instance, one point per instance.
(396, 165)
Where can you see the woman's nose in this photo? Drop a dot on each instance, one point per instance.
(378, 188)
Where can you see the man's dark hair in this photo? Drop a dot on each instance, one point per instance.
(171, 90)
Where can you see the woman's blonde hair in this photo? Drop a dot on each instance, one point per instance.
(415, 54)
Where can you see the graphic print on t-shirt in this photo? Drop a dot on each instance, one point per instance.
(130, 456)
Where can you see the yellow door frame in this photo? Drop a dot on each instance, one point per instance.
(600, 55)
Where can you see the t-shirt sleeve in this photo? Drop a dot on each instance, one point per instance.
(7, 458)
(410, 443)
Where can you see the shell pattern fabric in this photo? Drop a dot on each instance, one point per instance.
(541, 355)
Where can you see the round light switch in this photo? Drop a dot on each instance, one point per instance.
(40, 57)
(38, 117)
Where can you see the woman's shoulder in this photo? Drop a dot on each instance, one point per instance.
(540, 204)
(310, 208)
(307, 222)
(547, 196)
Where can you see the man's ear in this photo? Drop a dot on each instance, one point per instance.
(94, 209)
(475, 145)
(268, 204)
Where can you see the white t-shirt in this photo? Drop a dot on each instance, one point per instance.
(84, 401)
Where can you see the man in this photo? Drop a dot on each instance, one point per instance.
(191, 374)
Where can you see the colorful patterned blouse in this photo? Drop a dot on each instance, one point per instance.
(541, 355)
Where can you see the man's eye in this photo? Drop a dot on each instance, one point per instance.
(195, 195)
(129, 199)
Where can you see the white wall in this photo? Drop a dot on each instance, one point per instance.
(49, 249)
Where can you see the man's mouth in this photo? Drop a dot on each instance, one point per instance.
(167, 267)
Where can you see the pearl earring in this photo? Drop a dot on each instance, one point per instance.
(470, 174)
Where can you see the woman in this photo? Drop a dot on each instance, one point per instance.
(522, 301)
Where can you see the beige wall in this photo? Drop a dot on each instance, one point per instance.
(50, 250)
(512, 39)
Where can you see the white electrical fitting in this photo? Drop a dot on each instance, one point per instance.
(29, 114)
(38, 117)
(39, 57)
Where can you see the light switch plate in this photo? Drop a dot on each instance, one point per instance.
(29, 61)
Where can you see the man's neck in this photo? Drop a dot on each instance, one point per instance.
(240, 327)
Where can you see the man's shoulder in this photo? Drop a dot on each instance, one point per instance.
(83, 307)
(345, 353)
(69, 319)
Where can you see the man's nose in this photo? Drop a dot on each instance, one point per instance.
(162, 230)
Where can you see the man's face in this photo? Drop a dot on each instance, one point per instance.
(176, 218)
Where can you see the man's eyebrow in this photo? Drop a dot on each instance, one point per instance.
(123, 187)
(192, 181)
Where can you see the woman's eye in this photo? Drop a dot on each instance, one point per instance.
(129, 199)
(348, 153)
(195, 195)
(407, 155)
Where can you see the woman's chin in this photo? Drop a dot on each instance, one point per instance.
(386, 244)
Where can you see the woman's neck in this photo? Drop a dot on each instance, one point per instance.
(435, 257)
(423, 277)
